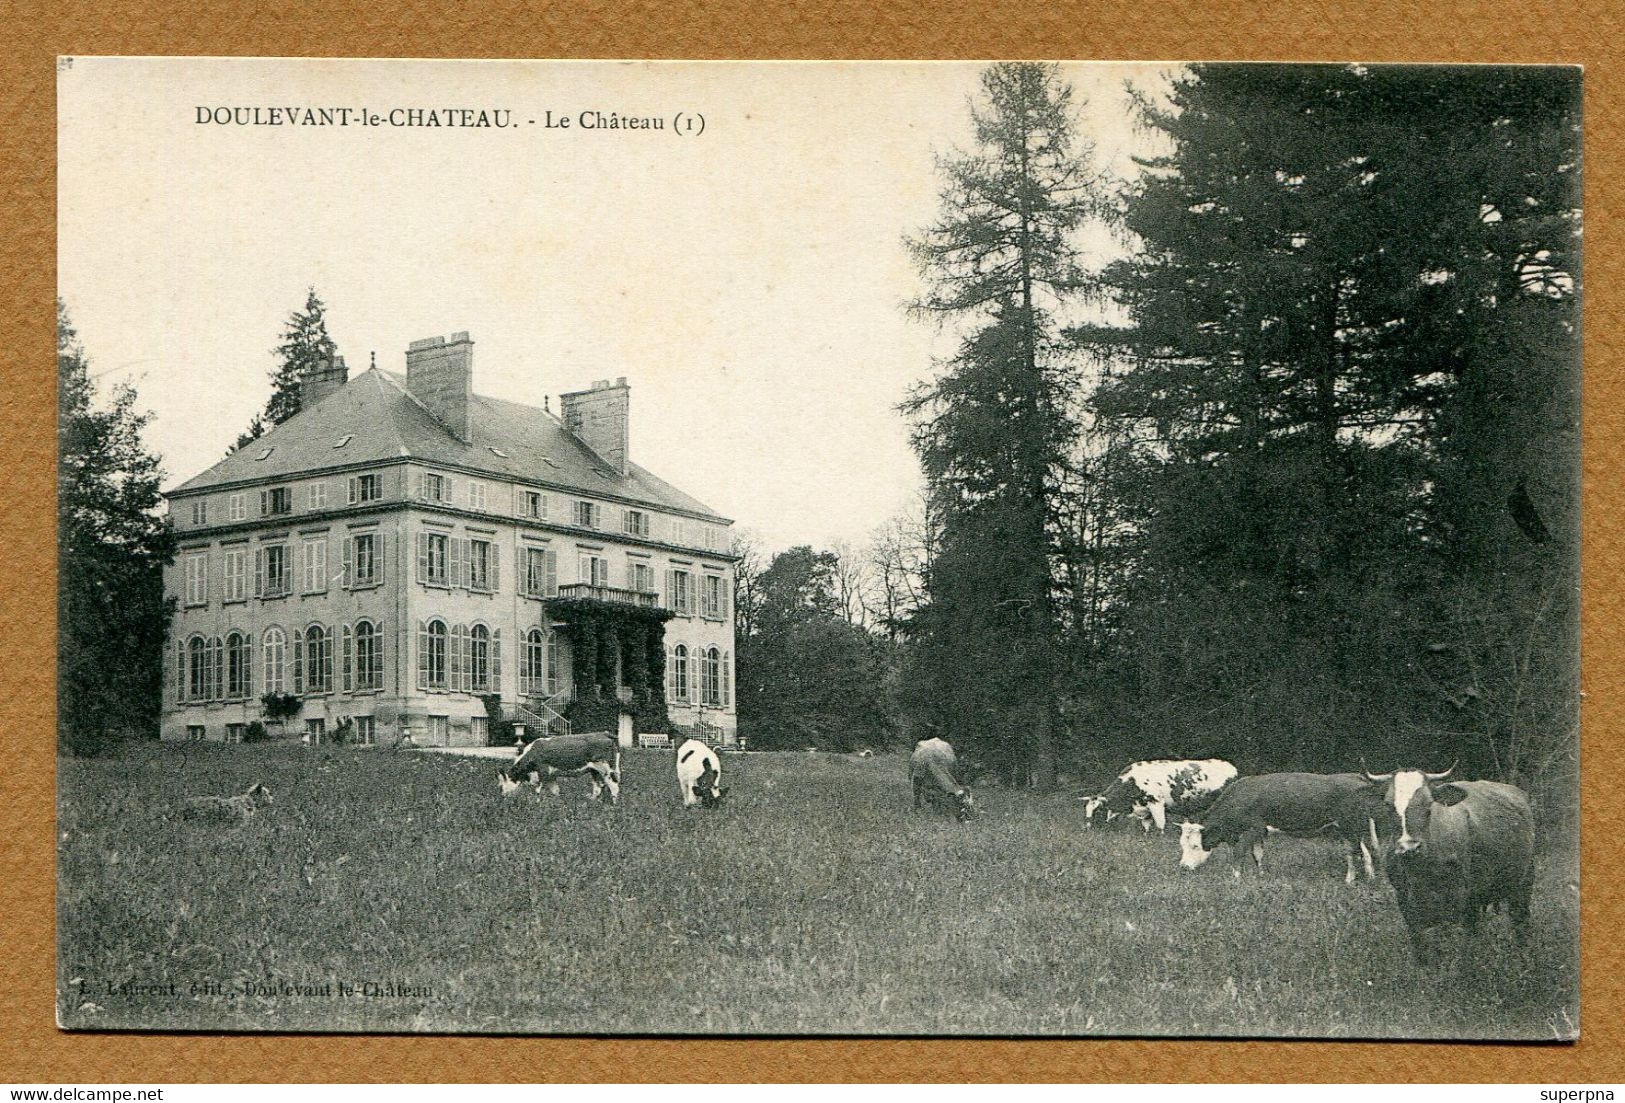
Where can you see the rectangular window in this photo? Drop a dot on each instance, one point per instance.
(481, 565)
(432, 558)
(315, 729)
(318, 495)
(197, 579)
(200, 512)
(366, 731)
(315, 580)
(636, 522)
(276, 501)
(476, 495)
(480, 729)
(680, 592)
(272, 572)
(365, 488)
(593, 569)
(362, 561)
(236, 575)
(194, 733)
(586, 514)
(541, 572)
(234, 733)
(237, 507)
(533, 503)
(433, 488)
(711, 597)
(641, 576)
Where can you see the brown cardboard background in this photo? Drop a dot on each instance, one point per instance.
(1385, 30)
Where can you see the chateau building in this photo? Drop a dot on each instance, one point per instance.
(405, 558)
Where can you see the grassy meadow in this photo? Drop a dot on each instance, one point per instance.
(397, 891)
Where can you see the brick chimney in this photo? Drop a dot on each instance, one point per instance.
(598, 416)
(322, 380)
(440, 374)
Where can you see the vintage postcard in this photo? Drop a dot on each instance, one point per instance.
(1021, 549)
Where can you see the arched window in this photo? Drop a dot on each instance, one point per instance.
(318, 659)
(197, 668)
(432, 654)
(369, 656)
(276, 655)
(479, 658)
(711, 677)
(679, 673)
(237, 663)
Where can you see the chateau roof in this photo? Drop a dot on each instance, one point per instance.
(385, 423)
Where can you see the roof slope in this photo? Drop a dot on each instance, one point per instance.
(385, 423)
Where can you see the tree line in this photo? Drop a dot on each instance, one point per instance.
(1292, 480)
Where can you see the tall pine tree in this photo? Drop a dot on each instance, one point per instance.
(305, 346)
(994, 429)
(112, 547)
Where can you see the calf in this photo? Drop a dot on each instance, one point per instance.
(932, 770)
(546, 760)
(698, 771)
(1304, 805)
(238, 809)
(1149, 791)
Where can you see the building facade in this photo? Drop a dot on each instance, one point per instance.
(404, 554)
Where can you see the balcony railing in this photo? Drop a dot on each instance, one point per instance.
(615, 594)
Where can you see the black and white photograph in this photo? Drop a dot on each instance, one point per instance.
(1012, 549)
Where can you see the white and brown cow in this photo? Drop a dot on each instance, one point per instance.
(1149, 791)
(698, 773)
(1463, 846)
(546, 760)
(1303, 805)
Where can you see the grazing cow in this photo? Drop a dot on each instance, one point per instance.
(237, 809)
(546, 760)
(1304, 805)
(1463, 846)
(932, 770)
(1150, 790)
(698, 771)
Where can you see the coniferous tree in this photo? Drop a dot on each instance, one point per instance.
(994, 429)
(112, 547)
(305, 346)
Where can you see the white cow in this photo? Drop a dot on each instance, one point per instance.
(1150, 790)
(698, 772)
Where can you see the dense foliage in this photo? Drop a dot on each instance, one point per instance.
(112, 547)
(305, 346)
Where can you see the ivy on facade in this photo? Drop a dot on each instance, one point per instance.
(603, 638)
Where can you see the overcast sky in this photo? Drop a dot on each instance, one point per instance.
(748, 281)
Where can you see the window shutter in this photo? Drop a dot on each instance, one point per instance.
(247, 654)
(550, 584)
(265, 502)
(494, 579)
(423, 655)
(423, 557)
(671, 589)
(180, 672)
(349, 559)
(722, 597)
(496, 660)
(584, 568)
(379, 543)
(454, 666)
(459, 561)
(727, 687)
(327, 658)
(349, 644)
(671, 671)
(423, 484)
(318, 551)
(298, 648)
(552, 658)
